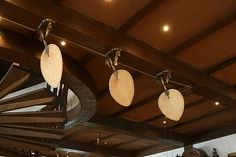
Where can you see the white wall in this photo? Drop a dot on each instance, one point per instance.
(224, 146)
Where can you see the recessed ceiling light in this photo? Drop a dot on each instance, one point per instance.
(164, 122)
(217, 103)
(165, 28)
(63, 43)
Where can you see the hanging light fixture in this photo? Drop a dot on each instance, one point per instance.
(171, 101)
(51, 63)
(121, 83)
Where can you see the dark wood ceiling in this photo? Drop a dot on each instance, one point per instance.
(199, 48)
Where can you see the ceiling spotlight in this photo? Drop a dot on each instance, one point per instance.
(164, 122)
(63, 43)
(217, 103)
(165, 28)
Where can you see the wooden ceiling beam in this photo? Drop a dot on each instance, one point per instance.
(13, 79)
(226, 110)
(122, 126)
(28, 119)
(204, 33)
(7, 153)
(86, 59)
(90, 34)
(28, 133)
(94, 149)
(140, 14)
(27, 99)
(14, 142)
(135, 106)
(32, 128)
(221, 65)
(155, 149)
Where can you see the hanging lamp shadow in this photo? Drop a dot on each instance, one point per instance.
(51, 63)
(121, 83)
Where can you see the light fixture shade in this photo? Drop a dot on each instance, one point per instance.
(51, 65)
(172, 105)
(121, 87)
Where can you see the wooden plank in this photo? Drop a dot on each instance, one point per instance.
(135, 106)
(14, 142)
(27, 119)
(140, 14)
(221, 65)
(155, 150)
(38, 97)
(206, 32)
(94, 149)
(7, 153)
(86, 59)
(13, 79)
(122, 126)
(83, 33)
(201, 118)
(28, 133)
(32, 128)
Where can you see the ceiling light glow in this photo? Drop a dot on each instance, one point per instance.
(217, 103)
(63, 43)
(165, 28)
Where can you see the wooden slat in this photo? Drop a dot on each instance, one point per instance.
(135, 106)
(86, 59)
(27, 119)
(32, 128)
(144, 11)
(13, 79)
(122, 126)
(9, 153)
(221, 65)
(94, 149)
(38, 97)
(83, 33)
(28, 133)
(14, 142)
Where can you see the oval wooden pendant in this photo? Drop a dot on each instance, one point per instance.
(51, 65)
(121, 86)
(171, 105)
